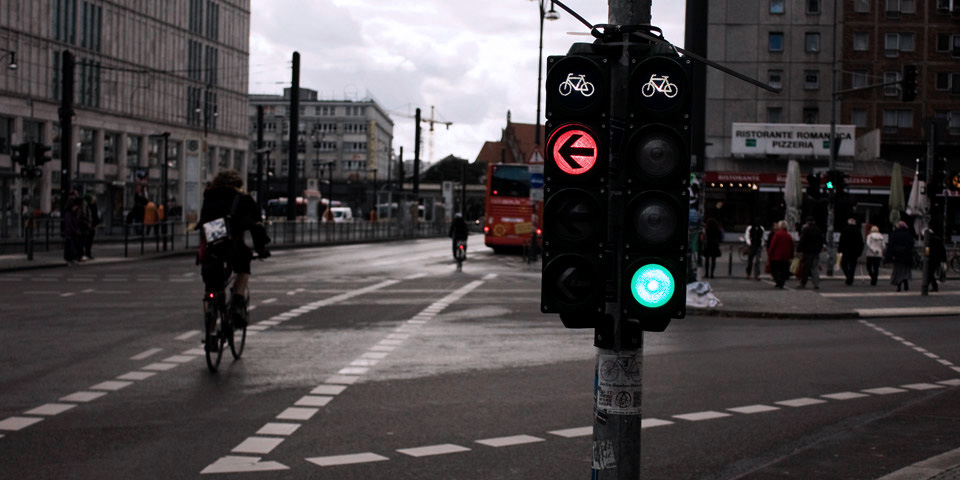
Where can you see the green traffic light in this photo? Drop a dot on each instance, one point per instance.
(829, 185)
(652, 285)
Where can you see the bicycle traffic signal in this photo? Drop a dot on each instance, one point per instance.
(575, 192)
(656, 157)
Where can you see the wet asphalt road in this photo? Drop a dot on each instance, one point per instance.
(372, 352)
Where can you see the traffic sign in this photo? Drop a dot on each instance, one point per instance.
(573, 149)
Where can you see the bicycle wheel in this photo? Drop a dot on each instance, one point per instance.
(238, 337)
(744, 253)
(648, 89)
(955, 263)
(566, 88)
(213, 357)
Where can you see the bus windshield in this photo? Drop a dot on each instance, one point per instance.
(510, 181)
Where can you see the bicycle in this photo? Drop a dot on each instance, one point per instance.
(659, 84)
(460, 254)
(576, 83)
(218, 319)
(743, 252)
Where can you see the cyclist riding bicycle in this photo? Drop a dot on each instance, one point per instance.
(226, 214)
(458, 232)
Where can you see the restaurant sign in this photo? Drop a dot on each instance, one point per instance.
(789, 139)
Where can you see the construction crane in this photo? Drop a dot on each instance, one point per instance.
(430, 121)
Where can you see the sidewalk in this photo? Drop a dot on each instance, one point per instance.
(103, 254)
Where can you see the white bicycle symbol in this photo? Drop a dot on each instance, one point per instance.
(659, 84)
(576, 83)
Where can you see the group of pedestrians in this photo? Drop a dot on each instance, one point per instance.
(803, 258)
(80, 222)
(146, 217)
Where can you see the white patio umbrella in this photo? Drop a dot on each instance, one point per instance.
(793, 195)
(917, 203)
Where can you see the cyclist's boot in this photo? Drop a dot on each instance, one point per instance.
(210, 341)
(238, 309)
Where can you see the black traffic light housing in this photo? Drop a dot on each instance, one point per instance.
(656, 157)
(576, 169)
(813, 186)
(41, 154)
(20, 154)
(908, 85)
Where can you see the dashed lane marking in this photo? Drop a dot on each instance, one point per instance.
(912, 345)
(443, 449)
(323, 394)
(573, 432)
(146, 354)
(700, 416)
(236, 464)
(111, 385)
(751, 409)
(51, 409)
(82, 397)
(136, 375)
(335, 460)
(801, 402)
(188, 335)
(14, 424)
(276, 428)
(509, 441)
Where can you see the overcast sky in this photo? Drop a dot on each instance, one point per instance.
(473, 61)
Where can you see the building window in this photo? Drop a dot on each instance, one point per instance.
(110, 143)
(894, 43)
(6, 133)
(811, 79)
(154, 146)
(173, 156)
(92, 20)
(861, 41)
(861, 6)
(896, 119)
(196, 16)
(858, 117)
(891, 90)
(811, 42)
(811, 115)
(775, 41)
(213, 20)
(948, 81)
(210, 67)
(193, 106)
(858, 79)
(895, 7)
(325, 111)
(85, 152)
(133, 151)
(774, 115)
(776, 7)
(88, 92)
(238, 160)
(65, 20)
(813, 6)
(194, 62)
(355, 146)
(949, 42)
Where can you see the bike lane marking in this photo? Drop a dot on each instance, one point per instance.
(309, 405)
(37, 414)
(915, 347)
(522, 439)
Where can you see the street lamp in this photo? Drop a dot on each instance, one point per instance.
(13, 59)
(544, 15)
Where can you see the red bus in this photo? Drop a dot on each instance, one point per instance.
(509, 212)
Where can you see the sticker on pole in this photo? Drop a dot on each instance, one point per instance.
(619, 386)
(573, 149)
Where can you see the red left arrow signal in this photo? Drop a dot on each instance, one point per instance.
(574, 150)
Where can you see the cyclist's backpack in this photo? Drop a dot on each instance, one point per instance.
(217, 231)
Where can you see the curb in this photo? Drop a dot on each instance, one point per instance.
(773, 315)
(946, 466)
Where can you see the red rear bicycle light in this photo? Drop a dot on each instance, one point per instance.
(461, 247)
(486, 229)
(539, 231)
(210, 295)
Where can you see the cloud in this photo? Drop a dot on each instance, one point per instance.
(472, 61)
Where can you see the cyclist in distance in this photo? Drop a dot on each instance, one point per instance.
(225, 199)
(458, 231)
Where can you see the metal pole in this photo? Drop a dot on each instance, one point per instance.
(163, 190)
(416, 162)
(834, 150)
(536, 131)
(927, 231)
(294, 132)
(616, 433)
(261, 197)
(66, 129)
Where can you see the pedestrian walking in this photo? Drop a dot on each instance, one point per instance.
(754, 239)
(779, 253)
(900, 252)
(713, 235)
(809, 246)
(936, 253)
(876, 245)
(850, 248)
(135, 216)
